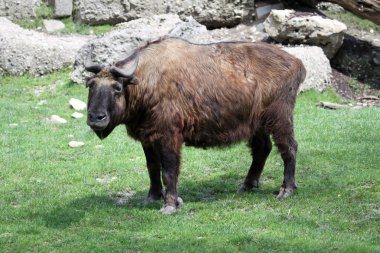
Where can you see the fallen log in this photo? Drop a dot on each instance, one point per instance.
(368, 9)
(330, 105)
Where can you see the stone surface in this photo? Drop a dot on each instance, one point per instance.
(288, 26)
(18, 9)
(318, 69)
(96, 12)
(61, 8)
(77, 104)
(52, 25)
(213, 14)
(24, 51)
(359, 59)
(118, 43)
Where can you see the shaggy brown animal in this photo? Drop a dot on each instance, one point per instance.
(171, 92)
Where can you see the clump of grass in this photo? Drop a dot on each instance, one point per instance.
(72, 27)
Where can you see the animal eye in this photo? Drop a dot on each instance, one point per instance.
(117, 87)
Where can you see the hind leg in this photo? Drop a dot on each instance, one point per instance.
(261, 146)
(287, 146)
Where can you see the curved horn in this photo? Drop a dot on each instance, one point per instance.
(94, 68)
(91, 66)
(127, 69)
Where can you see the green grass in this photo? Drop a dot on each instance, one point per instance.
(51, 200)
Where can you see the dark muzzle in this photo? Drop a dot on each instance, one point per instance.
(98, 120)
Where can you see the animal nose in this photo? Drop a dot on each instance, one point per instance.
(98, 120)
(97, 117)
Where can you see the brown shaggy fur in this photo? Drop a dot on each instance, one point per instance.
(205, 96)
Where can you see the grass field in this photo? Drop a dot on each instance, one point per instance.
(57, 199)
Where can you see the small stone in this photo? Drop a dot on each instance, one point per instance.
(77, 104)
(77, 115)
(57, 119)
(42, 102)
(76, 144)
(52, 25)
(105, 179)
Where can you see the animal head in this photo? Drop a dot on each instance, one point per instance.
(107, 96)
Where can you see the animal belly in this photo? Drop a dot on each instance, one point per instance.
(215, 136)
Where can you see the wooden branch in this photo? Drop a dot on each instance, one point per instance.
(368, 9)
(330, 105)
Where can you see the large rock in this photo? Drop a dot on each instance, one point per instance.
(18, 9)
(318, 69)
(213, 14)
(288, 26)
(118, 44)
(61, 8)
(97, 12)
(23, 51)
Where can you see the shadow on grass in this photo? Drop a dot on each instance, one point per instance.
(215, 189)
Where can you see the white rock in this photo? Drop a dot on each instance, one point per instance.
(318, 69)
(77, 115)
(76, 144)
(105, 179)
(77, 104)
(42, 102)
(52, 25)
(293, 27)
(13, 125)
(57, 119)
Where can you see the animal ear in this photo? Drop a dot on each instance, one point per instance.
(127, 67)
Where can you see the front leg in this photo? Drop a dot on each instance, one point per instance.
(170, 154)
(153, 163)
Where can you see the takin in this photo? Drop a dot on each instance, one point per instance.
(171, 92)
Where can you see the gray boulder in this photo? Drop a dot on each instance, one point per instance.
(62, 8)
(213, 14)
(118, 43)
(96, 12)
(24, 51)
(318, 69)
(18, 9)
(288, 26)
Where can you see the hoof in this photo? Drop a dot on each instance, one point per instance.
(285, 192)
(168, 210)
(246, 188)
(179, 202)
